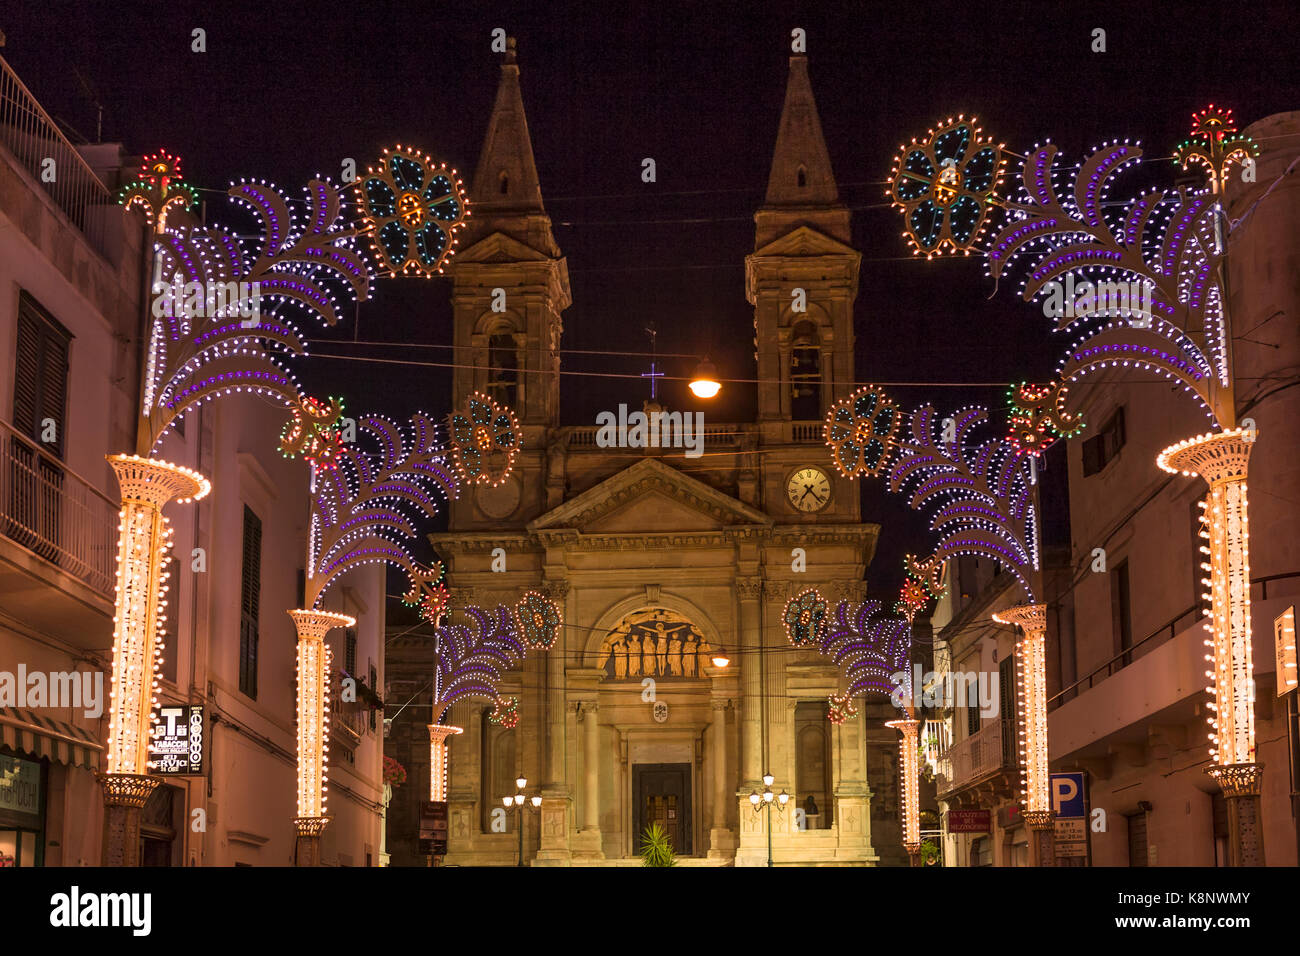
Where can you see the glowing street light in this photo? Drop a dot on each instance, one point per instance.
(704, 383)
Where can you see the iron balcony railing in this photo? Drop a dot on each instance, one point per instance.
(988, 750)
(55, 513)
(40, 147)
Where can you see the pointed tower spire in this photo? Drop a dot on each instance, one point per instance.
(506, 195)
(801, 188)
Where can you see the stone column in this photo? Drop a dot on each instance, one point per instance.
(752, 850)
(554, 847)
(751, 701)
(852, 819)
(722, 842)
(588, 842)
(591, 767)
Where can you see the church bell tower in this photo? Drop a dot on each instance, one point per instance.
(510, 288)
(802, 279)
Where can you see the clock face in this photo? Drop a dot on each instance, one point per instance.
(809, 489)
(500, 501)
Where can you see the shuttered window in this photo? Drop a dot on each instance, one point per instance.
(250, 594)
(1137, 840)
(40, 375)
(172, 625)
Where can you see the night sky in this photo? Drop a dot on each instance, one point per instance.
(286, 91)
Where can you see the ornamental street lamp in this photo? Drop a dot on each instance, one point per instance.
(760, 801)
(516, 803)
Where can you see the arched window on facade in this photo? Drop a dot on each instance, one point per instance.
(805, 373)
(503, 368)
(503, 183)
(802, 177)
(813, 764)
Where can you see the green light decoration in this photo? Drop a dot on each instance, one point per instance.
(159, 191)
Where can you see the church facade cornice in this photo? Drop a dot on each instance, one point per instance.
(647, 476)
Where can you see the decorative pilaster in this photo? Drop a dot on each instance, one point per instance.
(1223, 461)
(750, 592)
(139, 620)
(554, 849)
(313, 727)
(722, 842)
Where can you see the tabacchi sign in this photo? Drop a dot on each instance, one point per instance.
(178, 739)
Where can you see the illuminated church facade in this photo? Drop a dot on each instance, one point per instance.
(662, 562)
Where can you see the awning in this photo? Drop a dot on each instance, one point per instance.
(32, 733)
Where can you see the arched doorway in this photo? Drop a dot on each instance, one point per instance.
(655, 693)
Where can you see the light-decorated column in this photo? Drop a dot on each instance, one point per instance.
(140, 613)
(1222, 460)
(1031, 728)
(909, 786)
(438, 760)
(313, 728)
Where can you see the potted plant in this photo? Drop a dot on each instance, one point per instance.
(394, 772)
(656, 849)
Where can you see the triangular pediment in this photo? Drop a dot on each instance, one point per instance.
(498, 247)
(805, 242)
(650, 497)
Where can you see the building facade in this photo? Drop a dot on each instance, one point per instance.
(74, 282)
(1126, 653)
(659, 561)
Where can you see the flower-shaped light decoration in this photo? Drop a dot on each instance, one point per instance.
(159, 190)
(945, 186)
(805, 617)
(841, 708)
(313, 432)
(926, 581)
(1216, 145)
(412, 208)
(506, 712)
(860, 431)
(1039, 417)
(538, 619)
(484, 441)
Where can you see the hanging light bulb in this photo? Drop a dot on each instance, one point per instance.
(704, 383)
(720, 657)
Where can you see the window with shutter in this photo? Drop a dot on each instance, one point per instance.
(350, 654)
(40, 375)
(249, 598)
(172, 625)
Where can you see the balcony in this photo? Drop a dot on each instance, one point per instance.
(979, 756)
(58, 545)
(32, 136)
